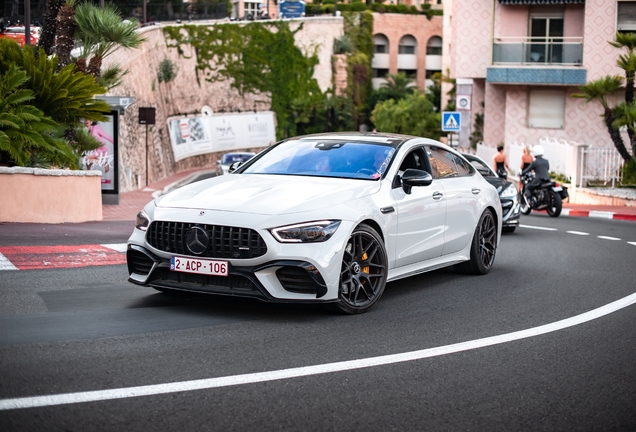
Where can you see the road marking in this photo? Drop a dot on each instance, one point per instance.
(233, 380)
(66, 256)
(601, 214)
(609, 238)
(632, 243)
(538, 228)
(5, 264)
(119, 247)
(578, 233)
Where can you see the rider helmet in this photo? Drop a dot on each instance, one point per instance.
(537, 150)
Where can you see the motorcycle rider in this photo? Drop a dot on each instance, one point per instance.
(541, 168)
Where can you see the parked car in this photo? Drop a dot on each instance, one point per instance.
(508, 193)
(17, 34)
(223, 165)
(327, 218)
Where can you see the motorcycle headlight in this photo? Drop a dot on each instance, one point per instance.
(142, 221)
(509, 192)
(310, 232)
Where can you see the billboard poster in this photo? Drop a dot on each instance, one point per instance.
(194, 136)
(189, 137)
(104, 158)
(291, 9)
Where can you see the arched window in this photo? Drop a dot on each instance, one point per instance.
(408, 45)
(380, 44)
(434, 46)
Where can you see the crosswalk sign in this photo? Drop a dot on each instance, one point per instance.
(451, 121)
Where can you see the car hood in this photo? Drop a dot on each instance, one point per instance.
(267, 194)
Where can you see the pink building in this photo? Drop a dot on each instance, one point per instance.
(520, 61)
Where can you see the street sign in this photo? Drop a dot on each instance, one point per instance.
(451, 121)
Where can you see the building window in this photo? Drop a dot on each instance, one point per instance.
(546, 109)
(380, 73)
(408, 45)
(434, 46)
(380, 44)
(410, 73)
(379, 49)
(626, 21)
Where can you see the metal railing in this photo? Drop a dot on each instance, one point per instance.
(600, 165)
(538, 51)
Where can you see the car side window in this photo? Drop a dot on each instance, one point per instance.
(463, 168)
(442, 162)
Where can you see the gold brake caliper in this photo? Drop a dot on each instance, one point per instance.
(365, 269)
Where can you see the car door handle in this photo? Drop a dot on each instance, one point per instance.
(437, 195)
(476, 191)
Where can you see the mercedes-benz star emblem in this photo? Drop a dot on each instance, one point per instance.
(197, 240)
(356, 268)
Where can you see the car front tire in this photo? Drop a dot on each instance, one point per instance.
(363, 271)
(483, 248)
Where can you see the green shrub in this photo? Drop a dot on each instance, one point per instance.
(328, 2)
(327, 8)
(313, 9)
(402, 8)
(378, 7)
(344, 7)
(358, 6)
(629, 173)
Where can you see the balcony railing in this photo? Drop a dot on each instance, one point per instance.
(538, 51)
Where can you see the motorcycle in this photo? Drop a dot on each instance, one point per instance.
(547, 196)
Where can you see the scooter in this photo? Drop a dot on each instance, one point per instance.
(548, 196)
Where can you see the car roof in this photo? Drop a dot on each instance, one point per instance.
(394, 140)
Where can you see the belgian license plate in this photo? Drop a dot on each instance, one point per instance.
(557, 188)
(199, 266)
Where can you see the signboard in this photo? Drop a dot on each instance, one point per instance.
(291, 9)
(192, 136)
(104, 158)
(451, 121)
(463, 102)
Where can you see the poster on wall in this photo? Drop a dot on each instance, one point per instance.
(104, 158)
(194, 136)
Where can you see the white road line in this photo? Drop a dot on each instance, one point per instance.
(609, 238)
(578, 233)
(149, 390)
(538, 227)
(119, 247)
(601, 214)
(5, 264)
(632, 243)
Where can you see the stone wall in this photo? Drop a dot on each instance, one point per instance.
(49, 196)
(184, 96)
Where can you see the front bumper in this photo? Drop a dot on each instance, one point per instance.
(511, 212)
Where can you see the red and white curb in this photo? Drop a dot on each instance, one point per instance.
(68, 256)
(598, 214)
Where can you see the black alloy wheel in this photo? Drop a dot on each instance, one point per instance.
(555, 205)
(363, 272)
(483, 248)
(524, 205)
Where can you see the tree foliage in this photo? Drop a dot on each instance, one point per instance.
(413, 115)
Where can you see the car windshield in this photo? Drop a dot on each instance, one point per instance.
(325, 158)
(230, 158)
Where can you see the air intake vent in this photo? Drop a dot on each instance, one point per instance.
(138, 262)
(296, 279)
(225, 241)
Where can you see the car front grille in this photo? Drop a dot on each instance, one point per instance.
(229, 285)
(225, 241)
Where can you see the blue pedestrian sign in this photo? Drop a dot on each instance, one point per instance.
(451, 121)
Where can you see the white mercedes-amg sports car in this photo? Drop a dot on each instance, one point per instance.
(328, 218)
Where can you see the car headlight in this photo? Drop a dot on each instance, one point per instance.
(310, 232)
(509, 192)
(142, 221)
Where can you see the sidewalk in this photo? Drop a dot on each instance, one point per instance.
(130, 203)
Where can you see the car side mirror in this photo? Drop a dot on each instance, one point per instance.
(414, 177)
(234, 167)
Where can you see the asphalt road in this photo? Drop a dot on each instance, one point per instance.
(71, 331)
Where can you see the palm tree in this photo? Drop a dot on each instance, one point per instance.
(49, 28)
(598, 91)
(399, 85)
(66, 26)
(101, 31)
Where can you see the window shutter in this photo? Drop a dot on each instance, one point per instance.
(546, 109)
